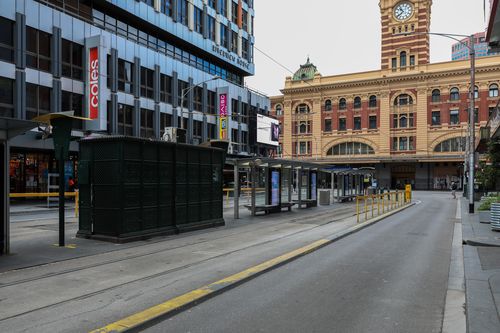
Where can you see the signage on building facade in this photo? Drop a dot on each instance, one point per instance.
(93, 83)
(240, 62)
(223, 116)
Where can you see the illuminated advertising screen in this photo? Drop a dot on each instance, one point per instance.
(313, 186)
(275, 188)
(93, 82)
(268, 130)
(223, 121)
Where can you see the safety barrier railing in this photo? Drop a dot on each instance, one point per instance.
(370, 206)
(49, 194)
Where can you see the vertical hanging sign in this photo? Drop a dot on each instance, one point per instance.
(223, 116)
(93, 83)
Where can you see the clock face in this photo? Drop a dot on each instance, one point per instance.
(403, 11)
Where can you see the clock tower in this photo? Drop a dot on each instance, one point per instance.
(405, 42)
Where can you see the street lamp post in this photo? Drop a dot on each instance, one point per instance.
(186, 91)
(471, 121)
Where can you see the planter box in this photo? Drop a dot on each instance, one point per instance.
(484, 216)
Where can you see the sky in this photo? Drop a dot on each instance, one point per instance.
(341, 36)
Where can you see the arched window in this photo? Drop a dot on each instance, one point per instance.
(436, 96)
(402, 59)
(476, 92)
(454, 94)
(372, 101)
(357, 102)
(279, 110)
(403, 99)
(302, 108)
(303, 128)
(328, 105)
(342, 104)
(451, 145)
(350, 148)
(493, 92)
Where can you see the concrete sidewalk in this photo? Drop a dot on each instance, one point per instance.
(482, 273)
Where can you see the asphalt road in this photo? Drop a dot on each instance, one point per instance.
(391, 277)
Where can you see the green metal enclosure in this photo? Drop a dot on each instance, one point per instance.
(132, 188)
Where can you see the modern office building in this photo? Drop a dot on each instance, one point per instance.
(407, 120)
(460, 50)
(128, 65)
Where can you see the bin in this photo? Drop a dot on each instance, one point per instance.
(324, 197)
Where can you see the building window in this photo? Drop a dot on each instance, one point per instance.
(493, 91)
(394, 63)
(147, 127)
(279, 110)
(37, 100)
(223, 36)
(357, 102)
(234, 42)
(244, 48)
(328, 105)
(244, 18)
(165, 89)
(166, 7)
(234, 12)
(402, 59)
(357, 123)
(436, 118)
(342, 124)
(302, 108)
(125, 119)
(6, 97)
(212, 96)
(403, 143)
(6, 40)
(182, 12)
(372, 103)
(165, 121)
(197, 97)
(304, 127)
(38, 49)
(125, 70)
(72, 60)
(454, 94)
(350, 148)
(211, 28)
(223, 7)
(198, 20)
(211, 3)
(454, 119)
(342, 104)
(403, 120)
(372, 122)
(147, 79)
(328, 125)
(403, 99)
(73, 102)
(412, 60)
(436, 96)
(451, 145)
(476, 92)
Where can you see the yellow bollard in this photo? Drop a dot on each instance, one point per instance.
(378, 204)
(372, 203)
(77, 203)
(357, 209)
(366, 209)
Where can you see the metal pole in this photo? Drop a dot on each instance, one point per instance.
(472, 124)
(61, 199)
(254, 185)
(236, 192)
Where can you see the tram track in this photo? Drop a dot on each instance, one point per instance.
(144, 278)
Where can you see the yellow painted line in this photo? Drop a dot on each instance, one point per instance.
(67, 246)
(40, 195)
(176, 303)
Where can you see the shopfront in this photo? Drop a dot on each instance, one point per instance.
(30, 169)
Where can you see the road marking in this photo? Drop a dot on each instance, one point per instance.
(178, 303)
(67, 246)
(454, 320)
(458, 214)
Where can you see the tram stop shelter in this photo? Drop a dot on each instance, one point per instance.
(287, 183)
(9, 128)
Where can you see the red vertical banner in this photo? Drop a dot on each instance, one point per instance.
(240, 14)
(223, 116)
(93, 83)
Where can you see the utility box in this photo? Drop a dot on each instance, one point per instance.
(324, 197)
(132, 188)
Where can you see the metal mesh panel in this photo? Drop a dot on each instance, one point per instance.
(107, 196)
(150, 218)
(132, 172)
(150, 172)
(107, 172)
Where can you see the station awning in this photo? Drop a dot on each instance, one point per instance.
(493, 32)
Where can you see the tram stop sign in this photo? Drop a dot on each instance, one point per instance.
(61, 123)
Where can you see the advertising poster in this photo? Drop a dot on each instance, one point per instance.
(268, 130)
(93, 83)
(275, 188)
(223, 116)
(313, 186)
